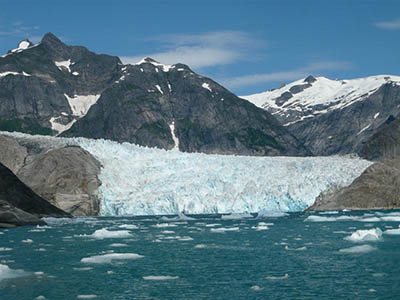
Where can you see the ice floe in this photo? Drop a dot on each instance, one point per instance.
(368, 235)
(236, 216)
(110, 257)
(104, 233)
(7, 273)
(286, 276)
(153, 277)
(358, 249)
(224, 229)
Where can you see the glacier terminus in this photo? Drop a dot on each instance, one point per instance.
(149, 181)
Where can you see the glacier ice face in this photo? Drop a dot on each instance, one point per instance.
(148, 181)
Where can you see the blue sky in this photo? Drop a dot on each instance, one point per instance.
(248, 46)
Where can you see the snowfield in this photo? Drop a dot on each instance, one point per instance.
(322, 96)
(148, 181)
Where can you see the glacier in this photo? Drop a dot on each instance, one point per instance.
(149, 181)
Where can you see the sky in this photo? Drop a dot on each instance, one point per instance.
(248, 46)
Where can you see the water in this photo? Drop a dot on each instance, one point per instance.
(289, 257)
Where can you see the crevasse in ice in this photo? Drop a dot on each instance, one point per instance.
(148, 181)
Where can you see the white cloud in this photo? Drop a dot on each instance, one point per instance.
(202, 50)
(248, 80)
(389, 25)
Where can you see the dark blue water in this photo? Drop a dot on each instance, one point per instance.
(291, 259)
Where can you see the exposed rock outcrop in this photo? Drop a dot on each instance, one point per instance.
(10, 216)
(67, 176)
(378, 187)
(19, 205)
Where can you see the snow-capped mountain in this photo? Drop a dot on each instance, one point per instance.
(334, 116)
(53, 88)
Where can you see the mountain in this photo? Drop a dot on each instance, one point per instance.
(378, 187)
(56, 89)
(336, 116)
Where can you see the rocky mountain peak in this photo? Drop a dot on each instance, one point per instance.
(50, 38)
(310, 79)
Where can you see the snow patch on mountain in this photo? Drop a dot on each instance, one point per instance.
(164, 67)
(176, 140)
(80, 104)
(206, 86)
(64, 64)
(58, 126)
(14, 73)
(308, 99)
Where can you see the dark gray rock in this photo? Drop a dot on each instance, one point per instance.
(17, 194)
(10, 216)
(384, 143)
(378, 187)
(310, 79)
(299, 88)
(283, 98)
(67, 177)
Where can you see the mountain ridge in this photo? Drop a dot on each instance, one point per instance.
(53, 88)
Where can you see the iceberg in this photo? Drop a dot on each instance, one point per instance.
(149, 181)
(369, 235)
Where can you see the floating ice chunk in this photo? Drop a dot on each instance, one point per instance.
(391, 218)
(213, 225)
(392, 231)
(128, 226)
(270, 214)
(83, 269)
(358, 249)
(235, 216)
(163, 225)
(86, 296)
(109, 258)
(286, 276)
(168, 232)
(27, 241)
(153, 277)
(260, 226)
(7, 273)
(118, 245)
(200, 246)
(40, 273)
(295, 249)
(365, 235)
(319, 219)
(371, 219)
(256, 288)
(40, 297)
(185, 239)
(331, 212)
(223, 229)
(106, 234)
(5, 249)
